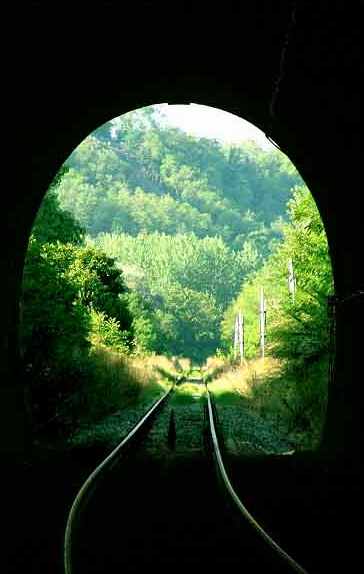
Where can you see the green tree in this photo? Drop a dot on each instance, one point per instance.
(146, 328)
(297, 332)
(158, 265)
(190, 323)
(54, 328)
(54, 323)
(54, 224)
(98, 282)
(142, 175)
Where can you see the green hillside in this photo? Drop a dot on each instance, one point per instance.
(134, 175)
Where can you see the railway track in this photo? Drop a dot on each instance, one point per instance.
(136, 512)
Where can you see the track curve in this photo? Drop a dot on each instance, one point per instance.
(236, 500)
(90, 483)
(165, 512)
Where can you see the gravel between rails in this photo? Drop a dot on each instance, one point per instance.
(188, 424)
(188, 421)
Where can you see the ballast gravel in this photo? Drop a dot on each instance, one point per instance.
(242, 431)
(179, 428)
(245, 432)
(113, 429)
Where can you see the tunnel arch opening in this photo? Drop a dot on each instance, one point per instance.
(100, 128)
(318, 109)
(225, 56)
(300, 150)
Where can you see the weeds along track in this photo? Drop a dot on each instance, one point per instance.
(172, 506)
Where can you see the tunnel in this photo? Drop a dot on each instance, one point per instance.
(292, 70)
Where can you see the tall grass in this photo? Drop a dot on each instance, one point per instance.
(294, 400)
(214, 367)
(111, 382)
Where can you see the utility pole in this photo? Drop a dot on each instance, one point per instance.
(236, 336)
(262, 314)
(241, 336)
(291, 279)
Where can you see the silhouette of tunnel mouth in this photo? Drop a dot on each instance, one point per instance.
(54, 119)
(185, 248)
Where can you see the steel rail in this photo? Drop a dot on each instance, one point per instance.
(238, 502)
(67, 548)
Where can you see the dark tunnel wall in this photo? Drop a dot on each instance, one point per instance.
(67, 71)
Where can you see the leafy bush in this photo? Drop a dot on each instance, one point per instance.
(54, 323)
(105, 332)
(70, 299)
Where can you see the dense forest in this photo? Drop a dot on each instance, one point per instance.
(132, 175)
(150, 240)
(185, 218)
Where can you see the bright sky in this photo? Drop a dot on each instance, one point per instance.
(204, 121)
